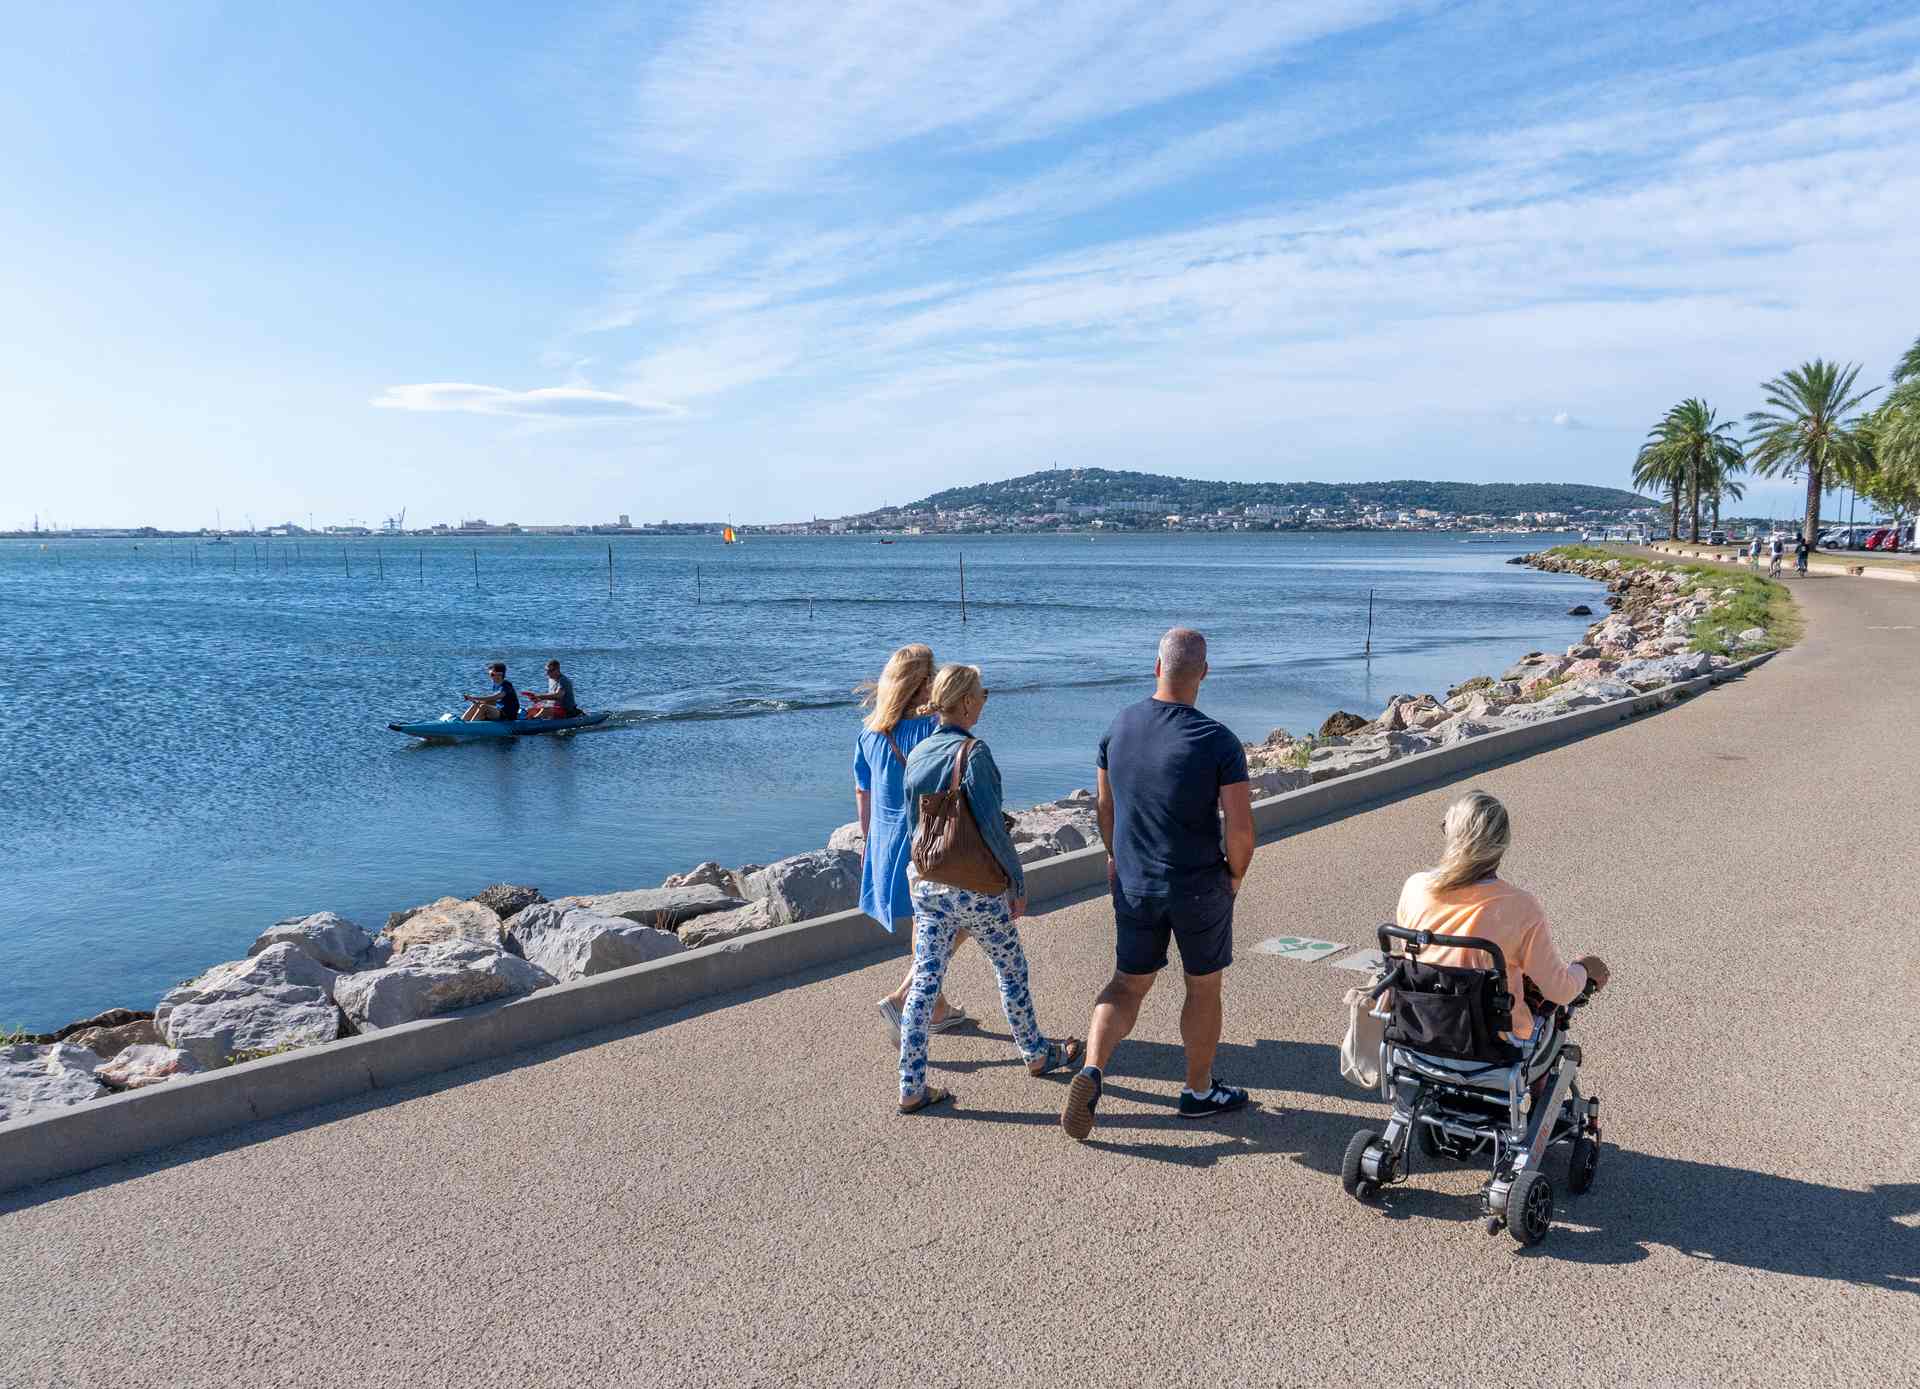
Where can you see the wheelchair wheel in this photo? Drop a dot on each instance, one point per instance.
(1352, 1176)
(1530, 1207)
(1581, 1163)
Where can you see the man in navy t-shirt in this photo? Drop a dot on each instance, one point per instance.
(1168, 776)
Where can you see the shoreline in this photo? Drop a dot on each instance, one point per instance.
(307, 981)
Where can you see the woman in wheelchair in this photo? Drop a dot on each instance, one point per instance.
(1468, 1066)
(1464, 896)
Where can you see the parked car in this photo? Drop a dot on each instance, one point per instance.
(1876, 539)
(1835, 538)
(1716, 537)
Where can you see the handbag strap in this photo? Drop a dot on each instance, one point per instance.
(888, 735)
(960, 764)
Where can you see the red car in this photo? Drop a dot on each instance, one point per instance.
(1878, 539)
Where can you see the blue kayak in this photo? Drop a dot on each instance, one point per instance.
(481, 730)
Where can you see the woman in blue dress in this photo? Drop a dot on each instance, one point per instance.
(894, 724)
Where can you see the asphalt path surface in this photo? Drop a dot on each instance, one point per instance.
(725, 1196)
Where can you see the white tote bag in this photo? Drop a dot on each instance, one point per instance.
(1360, 1051)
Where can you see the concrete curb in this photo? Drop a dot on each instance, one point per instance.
(62, 1142)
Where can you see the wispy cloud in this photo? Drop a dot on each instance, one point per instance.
(1150, 232)
(547, 402)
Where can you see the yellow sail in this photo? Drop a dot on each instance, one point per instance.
(727, 535)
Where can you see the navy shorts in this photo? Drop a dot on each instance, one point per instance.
(1199, 918)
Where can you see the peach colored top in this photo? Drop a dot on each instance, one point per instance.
(1510, 917)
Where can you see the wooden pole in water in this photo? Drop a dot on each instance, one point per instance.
(609, 571)
(236, 559)
(380, 560)
(963, 588)
(423, 569)
(346, 561)
(696, 585)
(1369, 651)
(476, 569)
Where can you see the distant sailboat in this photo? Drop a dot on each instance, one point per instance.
(727, 536)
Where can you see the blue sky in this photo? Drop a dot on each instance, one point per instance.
(771, 260)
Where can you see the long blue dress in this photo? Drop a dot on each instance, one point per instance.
(883, 871)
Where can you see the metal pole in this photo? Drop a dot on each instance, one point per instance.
(609, 571)
(1369, 651)
(380, 561)
(696, 586)
(423, 569)
(346, 561)
(963, 588)
(476, 569)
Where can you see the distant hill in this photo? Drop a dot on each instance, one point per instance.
(1056, 489)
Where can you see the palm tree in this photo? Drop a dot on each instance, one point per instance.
(1698, 449)
(1895, 433)
(1726, 487)
(1809, 430)
(1657, 469)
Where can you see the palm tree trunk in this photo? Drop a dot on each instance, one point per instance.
(1693, 497)
(1716, 508)
(1812, 529)
(1673, 526)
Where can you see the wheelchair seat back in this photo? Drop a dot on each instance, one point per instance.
(1451, 1012)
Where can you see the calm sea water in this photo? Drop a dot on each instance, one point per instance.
(197, 751)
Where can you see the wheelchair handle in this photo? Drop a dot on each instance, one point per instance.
(1422, 940)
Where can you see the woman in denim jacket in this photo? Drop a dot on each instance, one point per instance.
(942, 913)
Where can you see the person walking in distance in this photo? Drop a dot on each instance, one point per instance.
(1167, 776)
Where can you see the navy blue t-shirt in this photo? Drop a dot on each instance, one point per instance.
(1166, 764)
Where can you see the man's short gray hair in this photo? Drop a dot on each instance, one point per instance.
(1183, 654)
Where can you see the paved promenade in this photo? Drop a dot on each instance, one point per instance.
(726, 1198)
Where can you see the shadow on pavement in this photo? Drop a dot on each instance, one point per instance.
(1723, 1215)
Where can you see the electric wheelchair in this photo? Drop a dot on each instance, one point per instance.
(1460, 1091)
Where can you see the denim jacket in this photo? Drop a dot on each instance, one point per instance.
(930, 770)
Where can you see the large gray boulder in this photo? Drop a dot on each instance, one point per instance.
(328, 939)
(279, 968)
(436, 978)
(448, 918)
(1364, 753)
(45, 1077)
(663, 908)
(140, 1066)
(571, 943)
(743, 921)
(808, 885)
(1046, 831)
(1465, 727)
(278, 1000)
(1663, 670)
(1273, 781)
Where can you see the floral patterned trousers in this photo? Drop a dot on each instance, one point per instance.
(939, 915)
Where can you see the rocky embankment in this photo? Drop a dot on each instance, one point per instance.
(311, 979)
(1645, 642)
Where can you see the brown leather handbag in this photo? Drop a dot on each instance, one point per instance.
(947, 848)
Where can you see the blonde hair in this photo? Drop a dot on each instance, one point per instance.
(954, 688)
(1478, 836)
(900, 691)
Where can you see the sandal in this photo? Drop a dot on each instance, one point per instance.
(930, 1096)
(956, 1017)
(1055, 1056)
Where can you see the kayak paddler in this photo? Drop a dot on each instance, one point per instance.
(502, 702)
(558, 702)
